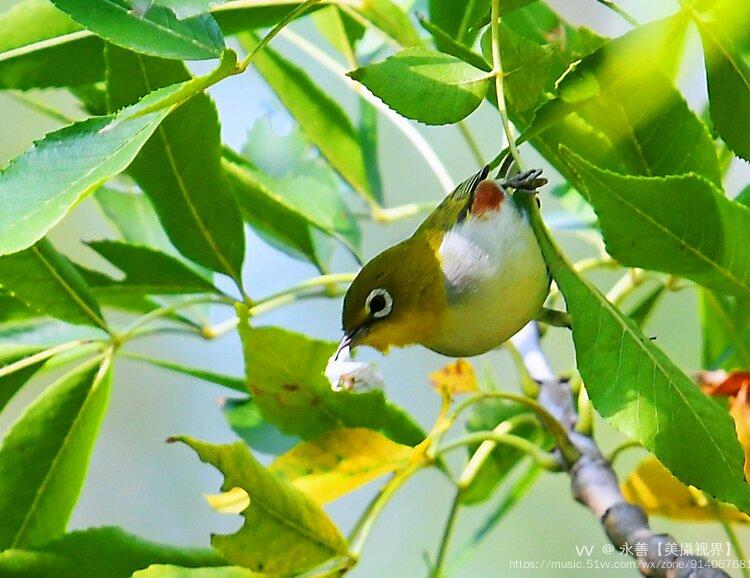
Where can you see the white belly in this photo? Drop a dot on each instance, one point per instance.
(495, 278)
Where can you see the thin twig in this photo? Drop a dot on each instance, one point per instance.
(450, 523)
(296, 13)
(497, 69)
(41, 356)
(39, 106)
(484, 451)
(595, 485)
(739, 551)
(471, 142)
(538, 454)
(615, 8)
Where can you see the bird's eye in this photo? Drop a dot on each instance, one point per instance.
(379, 303)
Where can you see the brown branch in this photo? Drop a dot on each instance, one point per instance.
(595, 485)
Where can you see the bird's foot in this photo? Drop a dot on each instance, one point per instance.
(526, 181)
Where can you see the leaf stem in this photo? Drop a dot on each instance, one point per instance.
(40, 107)
(407, 129)
(516, 492)
(330, 282)
(464, 26)
(484, 451)
(41, 356)
(538, 454)
(739, 551)
(621, 11)
(625, 285)
(569, 452)
(450, 523)
(392, 214)
(471, 142)
(168, 309)
(498, 72)
(615, 453)
(554, 317)
(296, 13)
(364, 525)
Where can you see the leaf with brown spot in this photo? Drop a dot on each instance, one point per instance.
(284, 371)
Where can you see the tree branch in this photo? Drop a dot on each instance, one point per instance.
(595, 485)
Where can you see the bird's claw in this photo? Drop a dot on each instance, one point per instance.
(526, 181)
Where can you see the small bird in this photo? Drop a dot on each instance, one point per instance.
(469, 278)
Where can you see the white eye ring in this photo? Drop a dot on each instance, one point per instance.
(383, 311)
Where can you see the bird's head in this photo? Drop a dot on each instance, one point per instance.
(396, 299)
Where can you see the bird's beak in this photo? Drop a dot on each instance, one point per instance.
(349, 340)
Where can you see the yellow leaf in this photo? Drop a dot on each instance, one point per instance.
(652, 487)
(458, 377)
(235, 501)
(340, 461)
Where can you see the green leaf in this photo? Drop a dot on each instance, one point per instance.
(99, 553)
(485, 417)
(643, 308)
(446, 43)
(35, 33)
(656, 46)
(725, 321)
(13, 309)
(526, 68)
(182, 8)
(161, 571)
(101, 284)
(461, 19)
(55, 435)
(284, 531)
(245, 419)
(47, 282)
(228, 381)
(149, 271)
(235, 17)
(133, 216)
(284, 373)
(291, 208)
(728, 87)
(281, 226)
(179, 168)
(428, 86)
(339, 29)
(64, 167)
(321, 205)
(743, 197)
(537, 23)
(390, 18)
(339, 462)
(662, 223)
(368, 140)
(10, 384)
(642, 393)
(158, 32)
(321, 119)
(609, 112)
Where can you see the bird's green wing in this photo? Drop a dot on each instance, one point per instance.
(455, 206)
